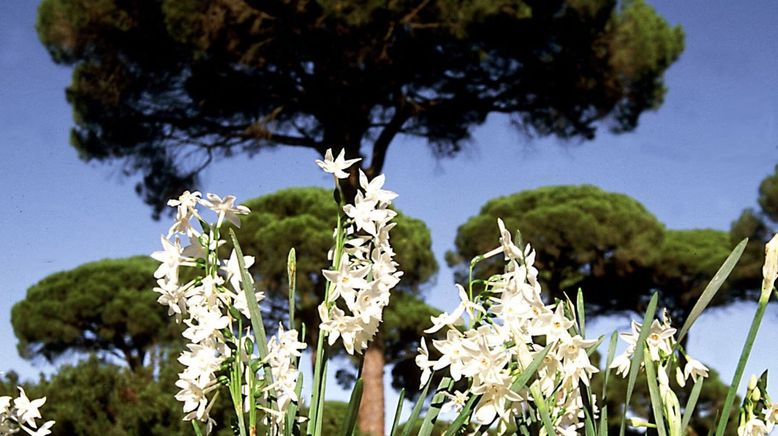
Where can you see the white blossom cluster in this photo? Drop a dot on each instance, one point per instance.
(508, 324)
(284, 351)
(20, 414)
(204, 303)
(662, 349)
(364, 271)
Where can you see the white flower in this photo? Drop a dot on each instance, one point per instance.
(456, 402)
(455, 317)
(27, 410)
(43, 430)
(225, 209)
(373, 191)
(695, 368)
(336, 166)
(186, 205)
(232, 268)
(365, 214)
(494, 400)
(622, 362)
(171, 257)
(423, 362)
(346, 281)
(753, 427)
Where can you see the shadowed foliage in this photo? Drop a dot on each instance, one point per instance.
(168, 86)
(607, 244)
(105, 307)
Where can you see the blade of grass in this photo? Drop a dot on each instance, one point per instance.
(603, 431)
(588, 424)
(462, 417)
(595, 346)
(579, 306)
(530, 370)
(691, 403)
(416, 410)
(251, 299)
(397, 411)
(540, 404)
(741, 364)
(637, 357)
(712, 288)
(656, 398)
(608, 362)
(437, 402)
(353, 409)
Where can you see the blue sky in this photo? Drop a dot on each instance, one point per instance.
(696, 163)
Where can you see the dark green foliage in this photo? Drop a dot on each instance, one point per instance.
(585, 237)
(688, 259)
(607, 244)
(105, 307)
(167, 86)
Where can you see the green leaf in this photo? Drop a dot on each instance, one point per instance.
(437, 402)
(530, 370)
(251, 299)
(741, 364)
(540, 404)
(397, 411)
(637, 357)
(712, 288)
(609, 361)
(353, 408)
(603, 431)
(579, 306)
(691, 403)
(462, 418)
(656, 398)
(416, 410)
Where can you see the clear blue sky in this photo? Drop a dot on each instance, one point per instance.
(695, 163)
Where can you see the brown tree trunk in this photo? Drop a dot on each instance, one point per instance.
(371, 409)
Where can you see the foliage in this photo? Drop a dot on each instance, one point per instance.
(103, 307)
(166, 86)
(688, 259)
(602, 242)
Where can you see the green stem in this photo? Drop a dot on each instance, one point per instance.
(741, 365)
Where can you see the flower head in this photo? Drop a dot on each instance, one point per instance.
(338, 165)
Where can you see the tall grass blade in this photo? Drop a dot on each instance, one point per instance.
(637, 357)
(656, 398)
(353, 409)
(691, 403)
(579, 306)
(712, 288)
(608, 362)
(291, 273)
(540, 404)
(437, 402)
(462, 418)
(397, 412)
(416, 410)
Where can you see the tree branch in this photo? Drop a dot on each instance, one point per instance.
(388, 133)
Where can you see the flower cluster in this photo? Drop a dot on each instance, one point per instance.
(758, 414)
(364, 271)
(508, 326)
(211, 307)
(284, 351)
(20, 414)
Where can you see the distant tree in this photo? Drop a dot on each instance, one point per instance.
(688, 260)
(604, 243)
(758, 225)
(608, 245)
(167, 87)
(105, 307)
(304, 218)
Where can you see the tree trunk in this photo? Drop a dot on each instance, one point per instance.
(371, 410)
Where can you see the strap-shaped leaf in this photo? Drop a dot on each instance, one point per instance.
(713, 287)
